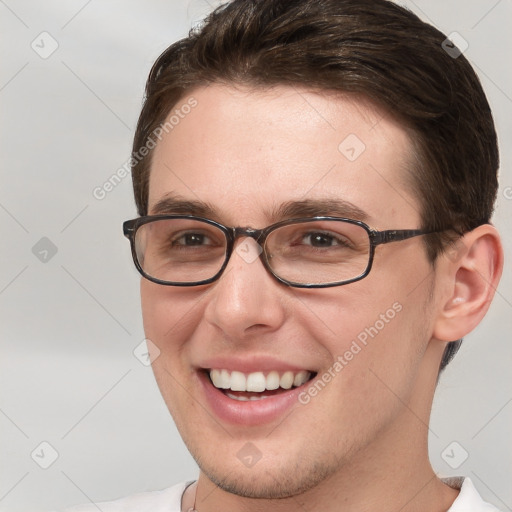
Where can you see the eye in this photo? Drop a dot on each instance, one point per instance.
(191, 239)
(323, 239)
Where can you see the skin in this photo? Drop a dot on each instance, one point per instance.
(361, 443)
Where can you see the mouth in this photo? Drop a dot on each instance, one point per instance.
(251, 391)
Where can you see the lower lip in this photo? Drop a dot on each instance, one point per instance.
(251, 412)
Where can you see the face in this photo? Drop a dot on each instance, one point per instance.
(245, 153)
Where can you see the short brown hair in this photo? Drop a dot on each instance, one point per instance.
(373, 48)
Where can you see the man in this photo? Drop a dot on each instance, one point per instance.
(315, 182)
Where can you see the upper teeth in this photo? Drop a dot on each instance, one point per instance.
(257, 381)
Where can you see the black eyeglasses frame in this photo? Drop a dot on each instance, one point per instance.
(376, 238)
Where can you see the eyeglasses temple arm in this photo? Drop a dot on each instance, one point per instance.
(394, 235)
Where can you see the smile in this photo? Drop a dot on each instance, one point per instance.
(251, 391)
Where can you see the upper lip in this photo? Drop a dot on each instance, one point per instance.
(250, 364)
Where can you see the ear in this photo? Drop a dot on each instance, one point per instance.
(469, 273)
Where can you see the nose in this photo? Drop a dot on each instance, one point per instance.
(246, 299)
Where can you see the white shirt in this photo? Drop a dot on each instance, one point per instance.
(169, 500)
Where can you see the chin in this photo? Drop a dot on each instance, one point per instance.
(293, 475)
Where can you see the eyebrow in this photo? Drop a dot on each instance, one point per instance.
(317, 208)
(172, 204)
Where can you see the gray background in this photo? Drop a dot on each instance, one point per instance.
(70, 323)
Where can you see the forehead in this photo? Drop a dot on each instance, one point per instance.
(246, 151)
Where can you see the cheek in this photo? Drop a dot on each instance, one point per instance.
(169, 314)
(154, 311)
(375, 330)
(360, 312)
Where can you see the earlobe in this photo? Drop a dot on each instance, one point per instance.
(473, 271)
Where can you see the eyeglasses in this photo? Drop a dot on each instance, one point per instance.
(317, 252)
